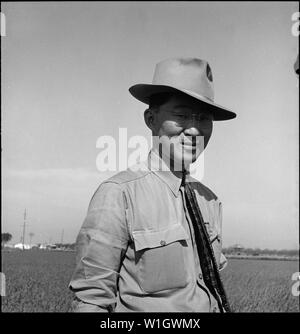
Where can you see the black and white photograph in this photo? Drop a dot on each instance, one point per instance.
(150, 159)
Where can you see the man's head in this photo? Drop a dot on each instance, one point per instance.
(180, 124)
(181, 106)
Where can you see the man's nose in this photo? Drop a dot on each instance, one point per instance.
(192, 131)
(192, 128)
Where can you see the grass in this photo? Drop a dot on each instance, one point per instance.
(261, 285)
(37, 281)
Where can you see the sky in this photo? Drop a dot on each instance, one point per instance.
(65, 72)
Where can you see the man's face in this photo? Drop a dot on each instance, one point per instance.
(183, 127)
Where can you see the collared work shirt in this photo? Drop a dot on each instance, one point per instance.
(136, 250)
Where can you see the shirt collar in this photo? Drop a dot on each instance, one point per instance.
(158, 166)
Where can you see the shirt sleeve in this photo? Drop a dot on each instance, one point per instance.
(101, 244)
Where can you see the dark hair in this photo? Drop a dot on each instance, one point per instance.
(156, 100)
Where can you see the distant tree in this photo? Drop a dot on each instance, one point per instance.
(5, 237)
(232, 250)
(70, 246)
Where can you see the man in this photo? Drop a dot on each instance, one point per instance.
(151, 241)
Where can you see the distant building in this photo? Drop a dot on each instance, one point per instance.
(20, 246)
(238, 248)
(49, 246)
(9, 246)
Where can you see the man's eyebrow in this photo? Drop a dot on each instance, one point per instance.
(182, 106)
(203, 111)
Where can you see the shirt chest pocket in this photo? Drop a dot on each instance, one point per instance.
(160, 258)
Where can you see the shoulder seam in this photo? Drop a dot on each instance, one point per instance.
(126, 181)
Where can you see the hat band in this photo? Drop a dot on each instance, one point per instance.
(196, 94)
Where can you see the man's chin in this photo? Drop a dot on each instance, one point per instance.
(180, 162)
(183, 164)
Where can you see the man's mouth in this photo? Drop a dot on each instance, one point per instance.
(189, 147)
(189, 143)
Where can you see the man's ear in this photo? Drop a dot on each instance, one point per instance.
(149, 118)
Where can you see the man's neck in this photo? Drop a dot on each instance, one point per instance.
(178, 169)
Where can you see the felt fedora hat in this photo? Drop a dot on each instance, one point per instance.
(191, 76)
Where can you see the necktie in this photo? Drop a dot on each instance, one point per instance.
(209, 267)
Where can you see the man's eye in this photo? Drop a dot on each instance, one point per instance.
(204, 118)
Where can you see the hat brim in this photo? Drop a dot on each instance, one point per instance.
(142, 92)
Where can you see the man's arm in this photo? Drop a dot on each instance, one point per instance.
(223, 261)
(101, 244)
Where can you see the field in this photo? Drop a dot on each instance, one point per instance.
(36, 281)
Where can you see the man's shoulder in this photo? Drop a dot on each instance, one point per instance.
(130, 174)
(203, 190)
(113, 186)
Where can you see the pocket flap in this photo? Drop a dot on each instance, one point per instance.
(152, 239)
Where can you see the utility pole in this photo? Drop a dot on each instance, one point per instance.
(24, 224)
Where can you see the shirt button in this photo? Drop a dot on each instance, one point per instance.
(200, 276)
(163, 243)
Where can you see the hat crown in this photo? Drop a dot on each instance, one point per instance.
(187, 74)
